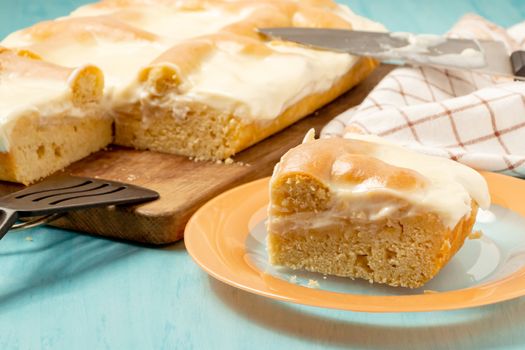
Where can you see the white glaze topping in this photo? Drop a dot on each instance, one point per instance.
(417, 43)
(450, 188)
(248, 86)
(418, 51)
(252, 87)
(21, 95)
(468, 58)
(120, 59)
(245, 84)
(116, 59)
(173, 24)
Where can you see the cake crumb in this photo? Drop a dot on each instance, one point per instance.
(199, 159)
(313, 284)
(29, 239)
(131, 177)
(218, 161)
(430, 291)
(476, 234)
(293, 279)
(324, 277)
(228, 161)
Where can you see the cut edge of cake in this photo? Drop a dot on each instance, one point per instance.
(41, 137)
(194, 129)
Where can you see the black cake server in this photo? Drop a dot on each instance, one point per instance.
(64, 193)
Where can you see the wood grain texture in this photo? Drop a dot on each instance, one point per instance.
(185, 185)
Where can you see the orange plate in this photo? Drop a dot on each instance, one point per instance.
(216, 239)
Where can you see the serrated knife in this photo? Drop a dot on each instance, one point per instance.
(484, 56)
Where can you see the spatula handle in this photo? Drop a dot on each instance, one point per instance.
(517, 59)
(8, 218)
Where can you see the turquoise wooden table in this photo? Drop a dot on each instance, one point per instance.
(64, 290)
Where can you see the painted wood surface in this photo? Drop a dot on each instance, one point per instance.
(62, 290)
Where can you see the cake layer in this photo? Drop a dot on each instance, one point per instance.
(406, 251)
(50, 116)
(163, 58)
(366, 208)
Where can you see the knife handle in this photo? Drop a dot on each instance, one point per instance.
(517, 60)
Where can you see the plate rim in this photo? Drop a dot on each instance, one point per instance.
(480, 295)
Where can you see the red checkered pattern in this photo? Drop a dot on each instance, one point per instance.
(475, 119)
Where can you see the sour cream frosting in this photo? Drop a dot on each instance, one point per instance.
(120, 58)
(451, 185)
(419, 46)
(20, 96)
(242, 84)
(448, 191)
(252, 87)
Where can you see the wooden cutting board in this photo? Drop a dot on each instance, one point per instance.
(185, 185)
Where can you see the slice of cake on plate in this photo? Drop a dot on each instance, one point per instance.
(50, 116)
(365, 208)
(194, 77)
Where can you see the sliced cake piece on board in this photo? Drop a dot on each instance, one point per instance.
(50, 116)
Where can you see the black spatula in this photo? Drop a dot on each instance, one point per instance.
(65, 193)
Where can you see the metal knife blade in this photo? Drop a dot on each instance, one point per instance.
(483, 56)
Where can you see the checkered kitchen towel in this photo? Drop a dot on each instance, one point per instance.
(475, 119)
